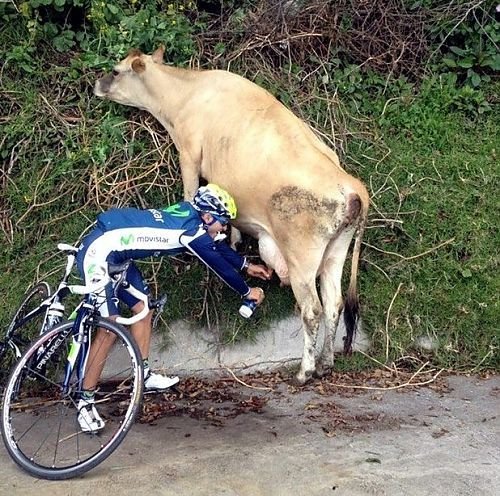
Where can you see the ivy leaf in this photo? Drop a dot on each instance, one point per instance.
(496, 63)
(475, 79)
(466, 63)
(64, 41)
(466, 273)
(458, 51)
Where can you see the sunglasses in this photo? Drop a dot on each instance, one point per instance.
(223, 220)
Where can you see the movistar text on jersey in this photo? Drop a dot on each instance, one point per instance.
(151, 239)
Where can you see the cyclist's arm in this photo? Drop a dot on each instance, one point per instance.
(231, 256)
(241, 263)
(203, 246)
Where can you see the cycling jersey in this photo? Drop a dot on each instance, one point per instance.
(128, 233)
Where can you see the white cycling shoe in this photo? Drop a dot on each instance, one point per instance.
(88, 417)
(158, 382)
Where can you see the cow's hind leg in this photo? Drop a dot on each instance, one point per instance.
(331, 295)
(303, 281)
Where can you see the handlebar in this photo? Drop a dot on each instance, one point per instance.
(103, 279)
(71, 252)
(136, 318)
(67, 248)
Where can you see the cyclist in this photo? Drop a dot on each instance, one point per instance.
(128, 233)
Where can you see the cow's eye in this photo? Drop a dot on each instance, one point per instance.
(115, 73)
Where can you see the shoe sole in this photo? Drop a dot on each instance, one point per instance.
(173, 388)
(89, 431)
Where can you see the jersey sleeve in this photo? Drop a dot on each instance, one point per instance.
(218, 258)
(233, 257)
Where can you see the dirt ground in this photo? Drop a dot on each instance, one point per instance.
(265, 437)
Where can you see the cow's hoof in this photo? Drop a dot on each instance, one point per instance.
(322, 371)
(319, 373)
(301, 379)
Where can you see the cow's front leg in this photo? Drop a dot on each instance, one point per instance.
(235, 237)
(190, 171)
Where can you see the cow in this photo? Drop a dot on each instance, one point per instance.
(292, 194)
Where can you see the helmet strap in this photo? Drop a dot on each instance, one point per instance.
(208, 224)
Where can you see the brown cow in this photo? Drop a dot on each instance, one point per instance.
(292, 194)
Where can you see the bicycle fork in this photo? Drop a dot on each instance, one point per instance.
(79, 349)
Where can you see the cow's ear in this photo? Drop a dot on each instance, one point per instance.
(157, 55)
(138, 66)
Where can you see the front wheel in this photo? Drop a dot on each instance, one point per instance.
(39, 418)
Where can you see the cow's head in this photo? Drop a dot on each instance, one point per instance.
(126, 83)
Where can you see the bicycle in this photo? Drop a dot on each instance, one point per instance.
(39, 416)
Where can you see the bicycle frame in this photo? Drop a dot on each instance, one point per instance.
(85, 313)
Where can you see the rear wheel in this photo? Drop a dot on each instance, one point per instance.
(39, 418)
(17, 339)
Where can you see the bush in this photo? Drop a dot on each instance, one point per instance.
(420, 131)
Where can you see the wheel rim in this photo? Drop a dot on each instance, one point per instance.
(30, 329)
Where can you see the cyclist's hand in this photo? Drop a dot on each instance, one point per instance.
(260, 271)
(256, 294)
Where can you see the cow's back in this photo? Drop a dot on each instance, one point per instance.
(248, 136)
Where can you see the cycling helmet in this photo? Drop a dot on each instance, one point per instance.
(215, 200)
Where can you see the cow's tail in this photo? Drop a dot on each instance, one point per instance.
(351, 304)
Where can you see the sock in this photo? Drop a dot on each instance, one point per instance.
(88, 394)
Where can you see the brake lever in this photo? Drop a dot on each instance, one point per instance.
(119, 279)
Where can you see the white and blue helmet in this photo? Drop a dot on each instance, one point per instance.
(216, 201)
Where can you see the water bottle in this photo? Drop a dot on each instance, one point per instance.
(248, 308)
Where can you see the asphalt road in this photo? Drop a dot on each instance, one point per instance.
(317, 441)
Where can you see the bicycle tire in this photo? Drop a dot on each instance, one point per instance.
(39, 421)
(23, 335)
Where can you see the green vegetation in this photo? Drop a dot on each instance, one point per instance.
(413, 112)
